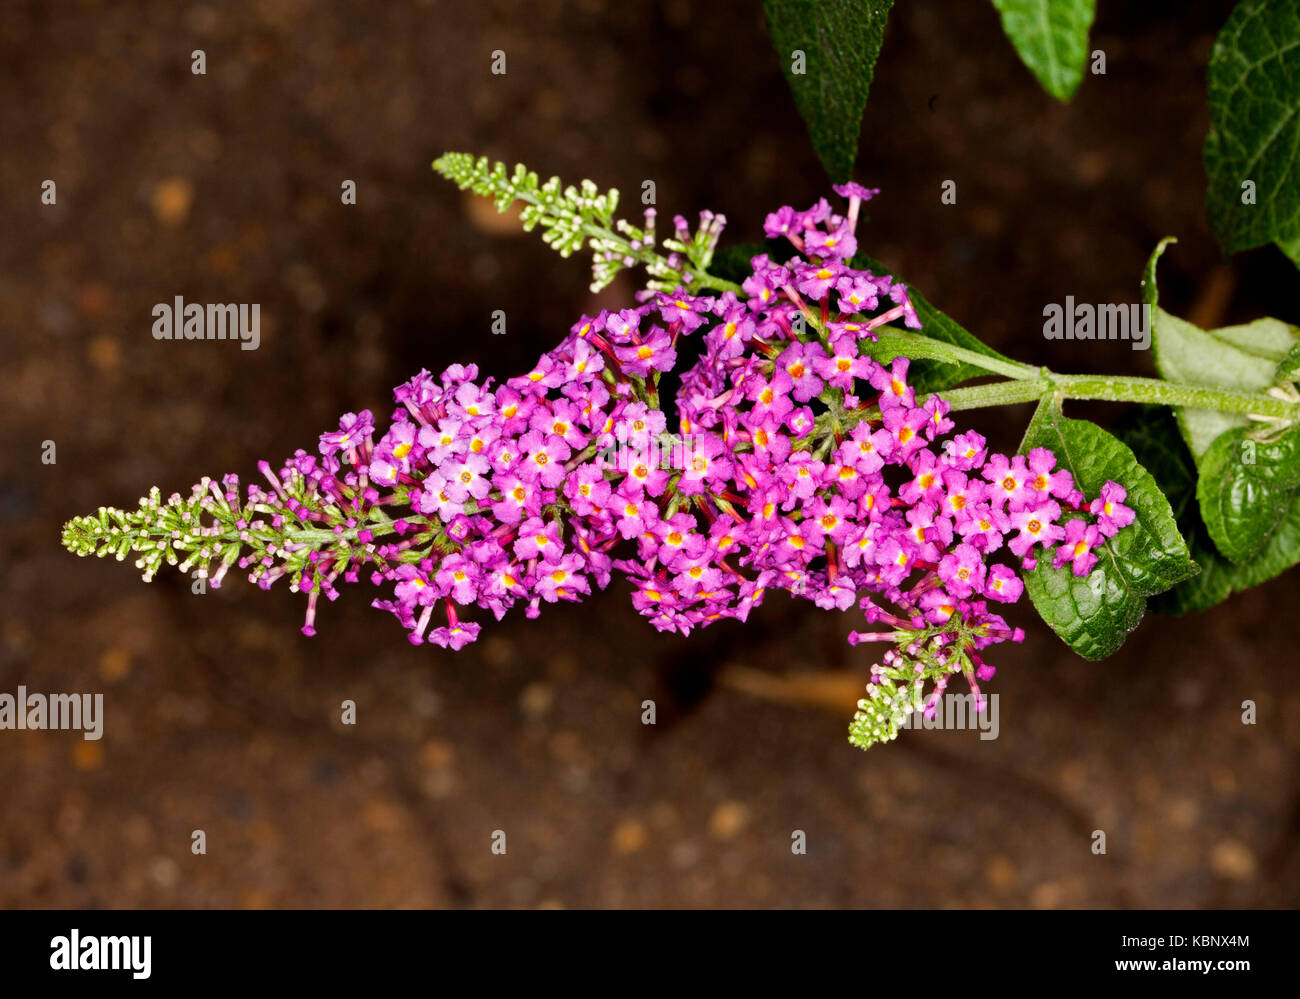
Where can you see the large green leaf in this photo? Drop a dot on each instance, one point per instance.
(1154, 436)
(1254, 86)
(1234, 357)
(840, 40)
(1093, 614)
(1245, 488)
(1052, 39)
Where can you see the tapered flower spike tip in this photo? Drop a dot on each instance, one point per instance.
(572, 218)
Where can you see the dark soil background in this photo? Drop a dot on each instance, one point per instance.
(222, 717)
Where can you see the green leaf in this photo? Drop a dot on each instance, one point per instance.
(1291, 247)
(1220, 579)
(1052, 39)
(1245, 488)
(840, 41)
(1094, 614)
(1234, 357)
(1254, 88)
(1151, 432)
(1157, 443)
(930, 376)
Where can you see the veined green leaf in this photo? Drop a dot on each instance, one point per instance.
(1245, 488)
(1093, 614)
(1154, 436)
(1252, 153)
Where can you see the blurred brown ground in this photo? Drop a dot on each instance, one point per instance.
(221, 717)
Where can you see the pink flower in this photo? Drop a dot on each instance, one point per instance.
(1112, 514)
(538, 539)
(800, 361)
(544, 457)
(1076, 547)
(1037, 525)
(962, 571)
(563, 580)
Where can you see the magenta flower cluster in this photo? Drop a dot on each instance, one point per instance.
(799, 464)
